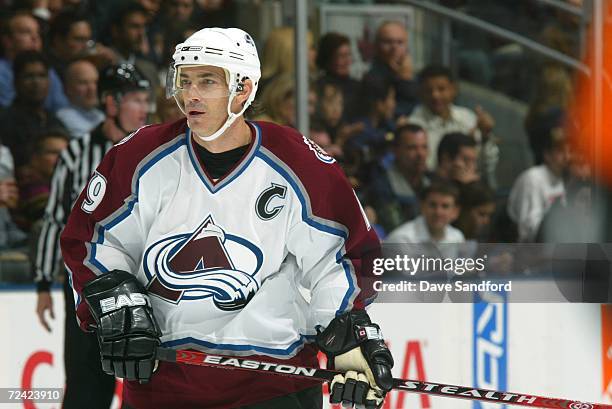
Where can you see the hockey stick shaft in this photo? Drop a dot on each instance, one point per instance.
(326, 375)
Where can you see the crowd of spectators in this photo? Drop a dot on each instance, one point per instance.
(423, 167)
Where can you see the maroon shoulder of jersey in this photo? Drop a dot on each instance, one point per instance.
(329, 193)
(122, 161)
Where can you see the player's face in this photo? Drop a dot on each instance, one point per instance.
(133, 110)
(438, 93)
(439, 211)
(205, 94)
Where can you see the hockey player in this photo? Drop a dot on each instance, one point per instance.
(124, 97)
(226, 236)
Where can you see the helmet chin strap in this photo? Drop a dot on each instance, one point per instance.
(231, 117)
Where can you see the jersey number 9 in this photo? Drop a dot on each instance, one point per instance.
(95, 192)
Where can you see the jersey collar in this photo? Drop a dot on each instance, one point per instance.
(215, 185)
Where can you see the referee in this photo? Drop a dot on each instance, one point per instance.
(124, 95)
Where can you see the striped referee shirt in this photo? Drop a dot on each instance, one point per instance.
(74, 167)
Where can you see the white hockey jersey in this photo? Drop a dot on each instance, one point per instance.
(226, 262)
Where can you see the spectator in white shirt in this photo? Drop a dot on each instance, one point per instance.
(438, 115)
(439, 208)
(537, 188)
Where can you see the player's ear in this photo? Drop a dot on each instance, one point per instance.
(244, 91)
(242, 95)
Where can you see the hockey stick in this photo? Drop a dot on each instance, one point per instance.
(326, 375)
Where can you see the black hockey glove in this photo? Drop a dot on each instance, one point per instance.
(127, 331)
(355, 346)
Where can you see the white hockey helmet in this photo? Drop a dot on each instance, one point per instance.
(229, 48)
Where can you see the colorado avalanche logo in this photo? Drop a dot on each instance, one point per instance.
(198, 265)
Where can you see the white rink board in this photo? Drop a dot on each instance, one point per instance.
(29, 345)
(562, 356)
(552, 349)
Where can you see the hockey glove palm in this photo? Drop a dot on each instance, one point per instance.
(355, 346)
(126, 329)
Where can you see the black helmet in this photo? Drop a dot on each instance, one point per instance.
(120, 79)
